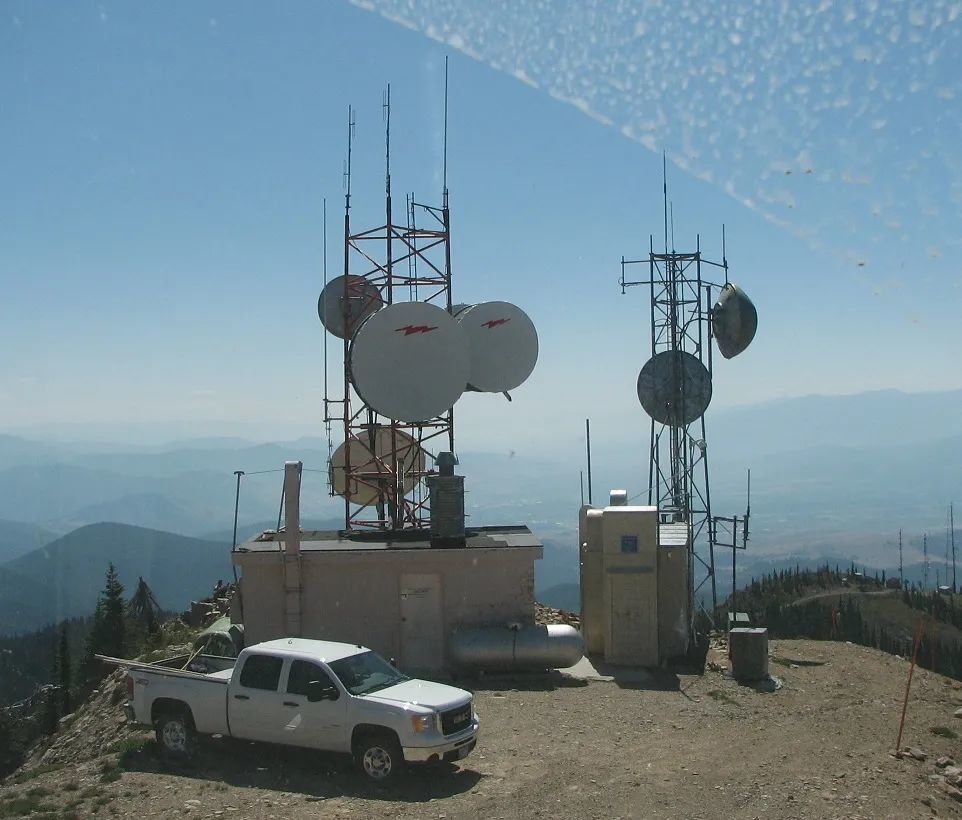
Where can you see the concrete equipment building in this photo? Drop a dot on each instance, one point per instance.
(464, 597)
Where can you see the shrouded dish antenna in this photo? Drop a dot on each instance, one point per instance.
(341, 310)
(377, 455)
(409, 361)
(734, 321)
(674, 388)
(503, 344)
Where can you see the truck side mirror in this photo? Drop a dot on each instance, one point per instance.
(318, 690)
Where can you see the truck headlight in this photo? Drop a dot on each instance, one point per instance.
(422, 723)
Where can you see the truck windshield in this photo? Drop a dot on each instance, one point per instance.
(365, 673)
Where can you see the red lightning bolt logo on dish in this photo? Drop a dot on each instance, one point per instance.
(492, 323)
(409, 329)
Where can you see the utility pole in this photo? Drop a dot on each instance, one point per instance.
(901, 571)
(925, 561)
(952, 537)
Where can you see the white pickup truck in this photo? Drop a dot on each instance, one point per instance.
(317, 694)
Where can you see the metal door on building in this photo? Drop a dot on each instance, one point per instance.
(633, 625)
(422, 634)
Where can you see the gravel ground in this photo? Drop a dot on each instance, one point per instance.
(678, 746)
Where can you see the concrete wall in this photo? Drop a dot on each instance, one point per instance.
(673, 614)
(593, 617)
(355, 596)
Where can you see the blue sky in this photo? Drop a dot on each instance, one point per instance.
(163, 170)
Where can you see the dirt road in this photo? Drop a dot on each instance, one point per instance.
(680, 747)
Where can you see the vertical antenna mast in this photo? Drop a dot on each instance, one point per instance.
(346, 406)
(664, 190)
(327, 415)
(588, 447)
(444, 160)
(389, 224)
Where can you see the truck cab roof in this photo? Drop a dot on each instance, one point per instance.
(308, 648)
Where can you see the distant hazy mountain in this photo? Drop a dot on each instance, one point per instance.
(831, 474)
(25, 605)
(18, 538)
(876, 419)
(64, 577)
(562, 596)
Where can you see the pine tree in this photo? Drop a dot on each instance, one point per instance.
(11, 743)
(114, 626)
(108, 634)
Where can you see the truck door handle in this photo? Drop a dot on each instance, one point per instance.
(241, 697)
(290, 703)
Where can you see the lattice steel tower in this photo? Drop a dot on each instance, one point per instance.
(675, 385)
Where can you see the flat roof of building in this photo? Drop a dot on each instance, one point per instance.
(334, 540)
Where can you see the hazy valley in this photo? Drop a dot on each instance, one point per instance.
(833, 479)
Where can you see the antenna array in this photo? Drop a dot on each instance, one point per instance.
(675, 385)
(409, 352)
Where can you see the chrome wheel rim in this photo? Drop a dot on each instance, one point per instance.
(175, 737)
(377, 762)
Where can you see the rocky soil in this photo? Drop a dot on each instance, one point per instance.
(661, 745)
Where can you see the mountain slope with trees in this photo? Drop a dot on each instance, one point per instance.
(62, 579)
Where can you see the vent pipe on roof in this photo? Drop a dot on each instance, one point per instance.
(447, 504)
(292, 548)
(292, 507)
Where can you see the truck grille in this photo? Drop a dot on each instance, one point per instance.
(456, 720)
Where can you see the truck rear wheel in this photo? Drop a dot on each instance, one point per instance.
(378, 756)
(175, 734)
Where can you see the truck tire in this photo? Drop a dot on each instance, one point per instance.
(175, 733)
(378, 756)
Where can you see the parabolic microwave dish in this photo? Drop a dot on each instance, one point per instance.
(376, 456)
(674, 388)
(503, 344)
(342, 311)
(410, 361)
(734, 321)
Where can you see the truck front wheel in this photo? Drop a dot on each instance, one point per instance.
(379, 756)
(175, 734)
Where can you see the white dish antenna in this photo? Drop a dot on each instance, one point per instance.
(335, 305)
(409, 361)
(503, 344)
(376, 456)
